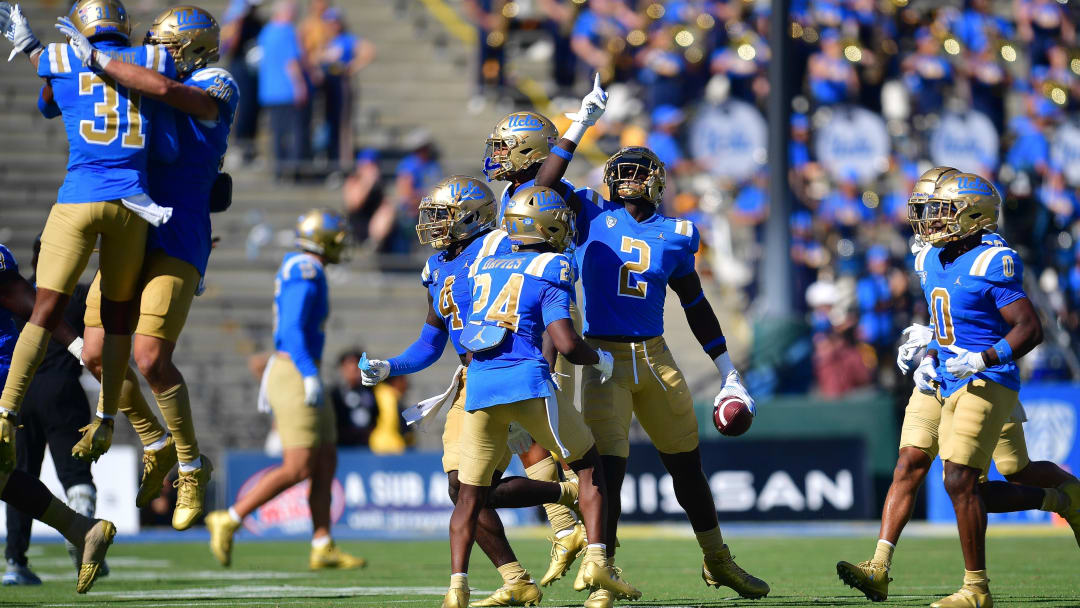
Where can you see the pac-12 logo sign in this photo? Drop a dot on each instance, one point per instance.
(524, 122)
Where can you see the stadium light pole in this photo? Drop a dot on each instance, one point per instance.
(777, 281)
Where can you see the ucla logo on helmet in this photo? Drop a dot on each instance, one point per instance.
(965, 185)
(524, 122)
(548, 200)
(467, 191)
(191, 19)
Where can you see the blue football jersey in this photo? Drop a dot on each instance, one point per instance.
(583, 194)
(625, 267)
(522, 292)
(301, 306)
(9, 333)
(964, 298)
(448, 281)
(110, 130)
(185, 184)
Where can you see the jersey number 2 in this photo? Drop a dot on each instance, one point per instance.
(628, 286)
(504, 310)
(108, 110)
(943, 323)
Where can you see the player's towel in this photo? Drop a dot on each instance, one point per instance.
(430, 407)
(145, 207)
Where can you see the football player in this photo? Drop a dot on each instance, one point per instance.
(517, 297)
(457, 219)
(516, 149)
(178, 251)
(983, 321)
(629, 255)
(294, 391)
(18, 488)
(110, 131)
(919, 443)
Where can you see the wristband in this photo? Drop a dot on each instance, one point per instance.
(723, 364)
(721, 341)
(1004, 351)
(76, 348)
(557, 151)
(99, 59)
(575, 131)
(700, 297)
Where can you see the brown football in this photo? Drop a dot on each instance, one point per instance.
(732, 417)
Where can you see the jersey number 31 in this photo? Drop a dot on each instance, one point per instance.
(108, 111)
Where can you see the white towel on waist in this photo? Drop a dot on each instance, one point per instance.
(145, 207)
(263, 400)
(430, 407)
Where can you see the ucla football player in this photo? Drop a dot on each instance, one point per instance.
(983, 321)
(177, 251)
(516, 150)
(110, 131)
(629, 254)
(292, 388)
(517, 297)
(19, 489)
(458, 219)
(919, 443)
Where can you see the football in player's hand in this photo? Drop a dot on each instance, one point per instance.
(732, 417)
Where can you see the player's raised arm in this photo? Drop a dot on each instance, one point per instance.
(188, 99)
(552, 170)
(16, 29)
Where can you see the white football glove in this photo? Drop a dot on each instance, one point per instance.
(606, 365)
(518, 440)
(373, 371)
(916, 337)
(733, 388)
(965, 363)
(81, 46)
(313, 391)
(17, 30)
(592, 105)
(925, 376)
(76, 348)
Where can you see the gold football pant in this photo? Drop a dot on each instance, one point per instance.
(451, 438)
(299, 425)
(972, 420)
(646, 382)
(484, 433)
(922, 418)
(69, 237)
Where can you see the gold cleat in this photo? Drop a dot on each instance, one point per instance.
(95, 545)
(968, 596)
(600, 576)
(190, 492)
(520, 592)
(869, 577)
(222, 528)
(96, 440)
(456, 597)
(601, 598)
(563, 553)
(1072, 513)
(579, 580)
(721, 570)
(329, 556)
(156, 466)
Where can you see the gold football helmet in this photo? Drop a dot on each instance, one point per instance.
(322, 232)
(928, 182)
(457, 208)
(190, 33)
(100, 17)
(635, 172)
(963, 204)
(518, 141)
(538, 215)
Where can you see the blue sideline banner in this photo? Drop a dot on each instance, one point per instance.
(758, 480)
(372, 496)
(1052, 431)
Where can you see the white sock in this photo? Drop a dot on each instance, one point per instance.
(104, 416)
(600, 546)
(157, 445)
(563, 533)
(318, 542)
(194, 465)
(234, 515)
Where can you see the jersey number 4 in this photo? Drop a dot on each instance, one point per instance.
(629, 286)
(448, 308)
(108, 111)
(504, 309)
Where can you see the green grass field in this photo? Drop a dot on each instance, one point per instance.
(1026, 571)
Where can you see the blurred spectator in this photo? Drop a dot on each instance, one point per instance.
(843, 209)
(343, 56)
(988, 83)
(600, 35)
(663, 140)
(240, 54)
(832, 77)
(314, 34)
(491, 29)
(1040, 23)
(561, 15)
(283, 89)
(662, 72)
(839, 365)
(416, 174)
(927, 73)
(363, 194)
(359, 414)
(874, 301)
